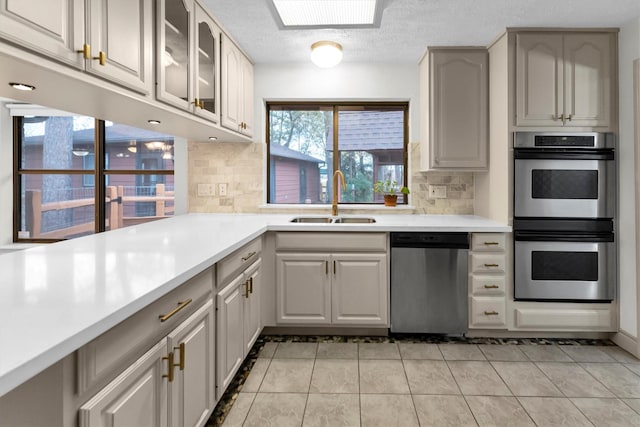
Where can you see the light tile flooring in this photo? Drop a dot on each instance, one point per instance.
(419, 384)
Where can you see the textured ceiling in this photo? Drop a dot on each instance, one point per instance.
(409, 26)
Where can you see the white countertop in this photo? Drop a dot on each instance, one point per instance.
(56, 298)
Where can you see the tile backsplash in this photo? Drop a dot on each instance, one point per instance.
(241, 167)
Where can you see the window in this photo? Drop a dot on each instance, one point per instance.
(66, 165)
(308, 142)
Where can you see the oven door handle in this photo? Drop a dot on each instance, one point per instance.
(536, 236)
(562, 154)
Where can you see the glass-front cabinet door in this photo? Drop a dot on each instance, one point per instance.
(175, 27)
(207, 60)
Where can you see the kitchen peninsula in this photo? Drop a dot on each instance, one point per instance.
(54, 299)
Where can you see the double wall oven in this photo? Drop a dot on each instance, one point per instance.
(564, 207)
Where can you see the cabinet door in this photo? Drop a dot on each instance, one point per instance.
(192, 391)
(459, 96)
(359, 289)
(539, 79)
(230, 84)
(137, 397)
(252, 312)
(230, 333)
(52, 27)
(588, 73)
(246, 97)
(122, 31)
(174, 60)
(207, 63)
(303, 288)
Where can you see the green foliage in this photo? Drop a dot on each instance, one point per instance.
(304, 131)
(389, 187)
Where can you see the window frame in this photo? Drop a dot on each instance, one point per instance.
(100, 174)
(336, 108)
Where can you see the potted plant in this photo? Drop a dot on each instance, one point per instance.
(390, 189)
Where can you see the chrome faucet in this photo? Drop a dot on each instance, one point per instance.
(334, 201)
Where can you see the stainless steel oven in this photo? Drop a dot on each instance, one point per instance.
(564, 210)
(553, 264)
(560, 175)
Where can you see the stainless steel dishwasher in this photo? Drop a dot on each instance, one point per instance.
(429, 290)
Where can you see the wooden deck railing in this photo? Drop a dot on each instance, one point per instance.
(114, 211)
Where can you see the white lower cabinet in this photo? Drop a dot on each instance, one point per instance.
(340, 287)
(487, 281)
(170, 385)
(239, 323)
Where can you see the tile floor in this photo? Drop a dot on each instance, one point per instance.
(419, 384)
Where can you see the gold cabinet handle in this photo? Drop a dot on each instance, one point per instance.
(169, 315)
(246, 289)
(249, 256)
(170, 366)
(491, 265)
(250, 285)
(102, 58)
(569, 117)
(182, 350)
(491, 313)
(491, 286)
(196, 102)
(85, 51)
(201, 104)
(491, 243)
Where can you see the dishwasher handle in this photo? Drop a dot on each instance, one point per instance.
(444, 240)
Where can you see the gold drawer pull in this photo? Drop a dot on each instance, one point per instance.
(181, 348)
(491, 286)
(169, 315)
(86, 51)
(102, 58)
(246, 289)
(249, 256)
(170, 365)
(491, 265)
(491, 243)
(490, 313)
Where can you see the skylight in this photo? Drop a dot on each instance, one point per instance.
(327, 13)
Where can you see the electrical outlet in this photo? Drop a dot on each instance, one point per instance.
(222, 189)
(205, 190)
(437, 191)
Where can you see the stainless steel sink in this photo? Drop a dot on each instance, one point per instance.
(313, 219)
(333, 220)
(354, 220)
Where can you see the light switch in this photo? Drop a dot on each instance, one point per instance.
(205, 190)
(222, 189)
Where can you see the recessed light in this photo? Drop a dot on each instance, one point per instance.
(22, 86)
(213, 138)
(154, 122)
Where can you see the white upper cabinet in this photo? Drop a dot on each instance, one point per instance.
(207, 66)
(113, 41)
(565, 79)
(54, 27)
(454, 97)
(120, 34)
(237, 89)
(174, 59)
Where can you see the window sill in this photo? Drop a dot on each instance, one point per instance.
(406, 209)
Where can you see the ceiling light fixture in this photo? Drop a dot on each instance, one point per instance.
(213, 138)
(80, 152)
(22, 86)
(296, 14)
(153, 122)
(326, 54)
(133, 147)
(154, 145)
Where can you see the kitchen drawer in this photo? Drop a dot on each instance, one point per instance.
(487, 312)
(107, 356)
(565, 319)
(488, 263)
(331, 242)
(228, 268)
(487, 284)
(488, 242)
